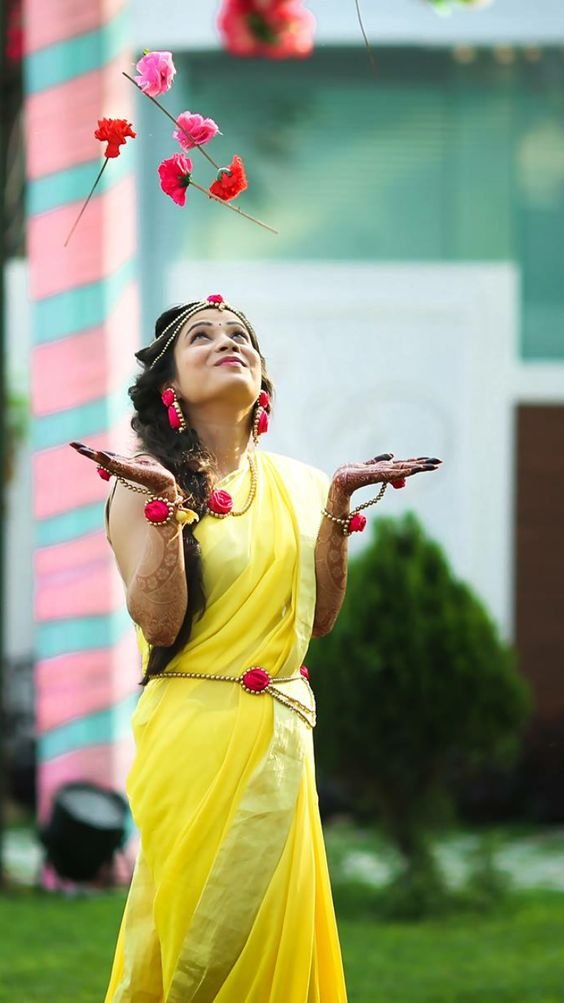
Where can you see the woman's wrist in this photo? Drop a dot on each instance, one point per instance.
(338, 501)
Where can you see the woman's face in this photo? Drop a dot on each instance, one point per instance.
(216, 360)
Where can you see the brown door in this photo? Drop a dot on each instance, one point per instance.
(539, 584)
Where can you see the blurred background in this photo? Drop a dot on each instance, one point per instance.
(412, 301)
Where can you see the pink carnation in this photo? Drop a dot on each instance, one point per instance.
(175, 177)
(195, 130)
(156, 71)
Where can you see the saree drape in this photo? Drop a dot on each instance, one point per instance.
(230, 899)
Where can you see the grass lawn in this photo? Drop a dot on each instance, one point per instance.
(59, 950)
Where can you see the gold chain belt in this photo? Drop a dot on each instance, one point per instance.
(257, 681)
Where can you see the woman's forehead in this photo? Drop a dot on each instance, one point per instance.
(219, 318)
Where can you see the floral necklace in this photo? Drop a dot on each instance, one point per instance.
(220, 503)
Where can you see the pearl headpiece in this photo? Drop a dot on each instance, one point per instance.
(147, 355)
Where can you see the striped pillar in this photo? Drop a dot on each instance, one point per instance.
(85, 330)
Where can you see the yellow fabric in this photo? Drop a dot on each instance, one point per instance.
(230, 899)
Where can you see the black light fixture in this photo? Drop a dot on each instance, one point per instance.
(88, 824)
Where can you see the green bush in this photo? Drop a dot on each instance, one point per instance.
(413, 678)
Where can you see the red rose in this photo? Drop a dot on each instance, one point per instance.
(264, 399)
(231, 181)
(220, 502)
(357, 522)
(114, 132)
(399, 483)
(262, 425)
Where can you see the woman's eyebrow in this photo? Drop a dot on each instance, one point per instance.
(209, 323)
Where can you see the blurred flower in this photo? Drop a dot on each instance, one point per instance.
(445, 6)
(199, 129)
(231, 181)
(156, 72)
(175, 175)
(279, 29)
(114, 131)
(14, 31)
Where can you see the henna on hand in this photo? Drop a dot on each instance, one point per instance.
(383, 468)
(331, 552)
(144, 470)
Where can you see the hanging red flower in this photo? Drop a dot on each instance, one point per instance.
(114, 132)
(231, 181)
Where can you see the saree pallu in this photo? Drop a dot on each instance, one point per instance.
(230, 899)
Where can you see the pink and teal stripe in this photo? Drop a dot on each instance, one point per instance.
(85, 330)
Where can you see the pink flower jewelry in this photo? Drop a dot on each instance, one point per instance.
(155, 73)
(355, 522)
(220, 503)
(194, 130)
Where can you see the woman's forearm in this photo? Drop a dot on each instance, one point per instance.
(331, 558)
(157, 595)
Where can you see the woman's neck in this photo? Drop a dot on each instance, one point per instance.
(227, 439)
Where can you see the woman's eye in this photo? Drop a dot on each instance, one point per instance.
(200, 334)
(240, 334)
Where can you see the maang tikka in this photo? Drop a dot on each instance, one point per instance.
(175, 417)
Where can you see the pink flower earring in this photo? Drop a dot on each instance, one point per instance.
(175, 417)
(260, 420)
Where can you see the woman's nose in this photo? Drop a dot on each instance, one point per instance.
(228, 341)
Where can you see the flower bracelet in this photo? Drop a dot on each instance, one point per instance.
(159, 511)
(355, 522)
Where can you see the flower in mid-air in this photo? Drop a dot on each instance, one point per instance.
(175, 173)
(194, 130)
(278, 29)
(155, 73)
(114, 132)
(231, 181)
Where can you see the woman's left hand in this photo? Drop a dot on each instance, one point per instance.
(352, 476)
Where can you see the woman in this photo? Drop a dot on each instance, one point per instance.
(232, 559)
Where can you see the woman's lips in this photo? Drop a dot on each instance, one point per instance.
(231, 360)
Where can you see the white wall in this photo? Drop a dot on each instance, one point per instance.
(415, 359)
(179, 25)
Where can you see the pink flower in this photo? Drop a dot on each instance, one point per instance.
(195, 130)
(357, 522)
(156, 71)
(220, 502)
(281, 29)
(175, 177)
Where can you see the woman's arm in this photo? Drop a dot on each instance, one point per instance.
(331, 552)
(331, 559)
(150, 559)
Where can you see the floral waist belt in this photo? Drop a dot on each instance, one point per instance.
(258, 681)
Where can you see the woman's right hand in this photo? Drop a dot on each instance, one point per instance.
(143, 470)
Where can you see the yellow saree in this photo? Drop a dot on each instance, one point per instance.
(230, 899)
